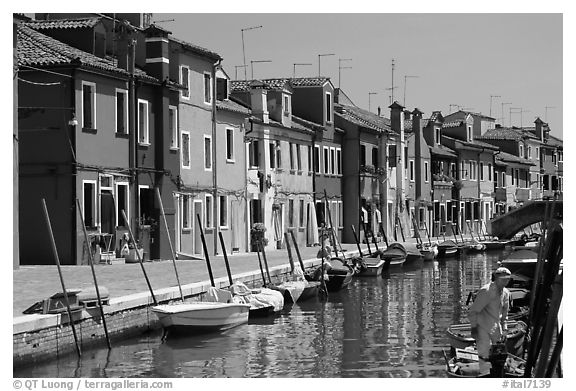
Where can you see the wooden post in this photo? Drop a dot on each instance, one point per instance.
(356, 239)
(225, 257)
(264, 283)
(383, 233)
(205, 248)
(297, 251)
(91, 261)
(265, 261)
(139, 257)
(55, 252)
(170, 242)
(289, 249)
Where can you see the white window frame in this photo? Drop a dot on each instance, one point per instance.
(339, 161)
(310, 159)
(298, 157)
(127, 121)
(332, 160)
(286, 103)
(207, 137)
(437, 135)
(411, 167)
(94, 211)
(490, 172)
(187, 211)
(174, 144)
(227, 220)
(529, 151)
(340, 214)
(140, 187)
(209, 212)
(116, 193)
(146, 131)
(481, 171)
(185, 94)
(469, 128)
(317, 152)
(426, 176)
(209, 102)
(291, 212)
(93, 101)
(301, 213)
(326, 159)
(231, 152)
(521, 150)
(537, 153)
(329, 117)
(291, 157)
(184, 150)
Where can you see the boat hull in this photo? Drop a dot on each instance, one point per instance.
(338, 282)
(460, 336)
(373, 267)
(468, 366)
(201, 316)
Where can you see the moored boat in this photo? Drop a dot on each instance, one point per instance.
(464, 363)
(521, 262)
(429, 251)
(262, 301)
(447, 249)
(460, 336)
(201, 316)
(394, 255)
(368, 266)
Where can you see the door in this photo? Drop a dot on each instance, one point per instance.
(196, 237)
(107, 212)
(235, 225)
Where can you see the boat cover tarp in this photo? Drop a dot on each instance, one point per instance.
(257, 298)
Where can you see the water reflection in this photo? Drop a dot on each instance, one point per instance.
(394, 326)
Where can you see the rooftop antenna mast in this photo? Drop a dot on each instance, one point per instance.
(236, 70)
(546, 112)
(243, 50)
(252, 62)
(340, 67)
(392, 88)
(492, 96)
(322, 55)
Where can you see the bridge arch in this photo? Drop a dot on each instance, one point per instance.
(506, 226)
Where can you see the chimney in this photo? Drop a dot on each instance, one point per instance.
(126, 43)
(407, 114)
(397, 117)
(259, 101)
(157, 52)
(419, 141)
(539, 128)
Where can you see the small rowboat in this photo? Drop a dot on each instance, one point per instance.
(368, 266)
(429, 251)
(201, 316)
(394, 255)
(339, 274)
(447, 249)
(474, 246)
(460, 336)
(464, 363)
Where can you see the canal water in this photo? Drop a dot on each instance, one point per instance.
(390, 326)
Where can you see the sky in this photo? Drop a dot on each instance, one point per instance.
(458, 60)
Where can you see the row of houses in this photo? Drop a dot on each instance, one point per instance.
(113, 111)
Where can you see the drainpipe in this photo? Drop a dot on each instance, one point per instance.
(216, 220)
(132, 141)
(72, 130)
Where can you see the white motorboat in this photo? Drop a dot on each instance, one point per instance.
(201, 316)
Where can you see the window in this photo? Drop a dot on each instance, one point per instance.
(143, 135)
(453, 173)
(185, 211)
(529, 152)
(185, 81)
(223, 206)
(375, 157)
(538, 184)
(411, 170)
(554, 159)
(121, 111)
(362, 155)
(89, 197)
(326, 160)
(88, 105)
(426, 172)
(207, 88)
(469, 133)
(291, 150)
(209, 210)
(463, 173)
(221, 88)
(332, 160)
(229, 144)
(207, 153)
(290, 213)
(278, 154)
(537, 153)
(317, 159)
(254, 154)
(185, 152)
(504, 178)
(298, 158)
(310, 160)
(517, 172)
(272, 148)
(340, 214)
(560, 156)
(328, 107)
(471, 172)
(481, 171)
(437, 134)
(421, 217)
(301, 213)
(521, 150)
(286, 105)
(122, 204)
(338, 161)
(173, 126)
(490, 172)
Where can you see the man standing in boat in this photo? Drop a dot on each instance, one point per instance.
(488, 316)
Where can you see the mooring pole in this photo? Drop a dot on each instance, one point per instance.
(55, 252)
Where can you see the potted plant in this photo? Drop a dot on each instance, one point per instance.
(257, 236)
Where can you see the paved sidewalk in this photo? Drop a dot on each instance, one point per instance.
(35, 283)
